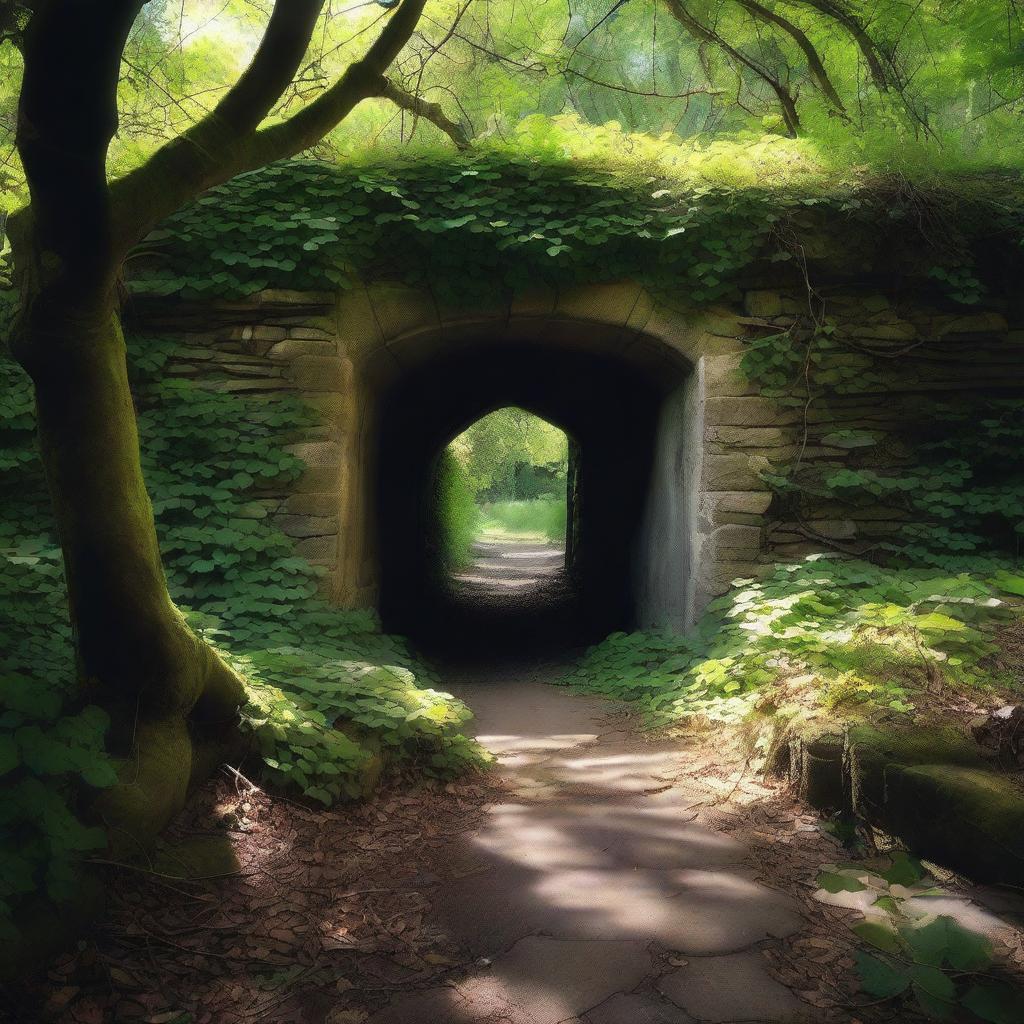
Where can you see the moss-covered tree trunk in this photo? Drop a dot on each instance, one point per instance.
(172, 701)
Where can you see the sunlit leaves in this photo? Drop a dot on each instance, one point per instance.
(856, 635)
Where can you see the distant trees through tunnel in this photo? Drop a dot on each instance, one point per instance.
(502, 480)
(581, 457)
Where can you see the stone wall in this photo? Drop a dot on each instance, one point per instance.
(274, 344)
(336, 353)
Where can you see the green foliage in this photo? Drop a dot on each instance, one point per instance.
(209, 459)
(330, 697)
(511, 454)
(456, 517)
(540, 517)
(846, 634)
(955, 473)
(931, 958)
(462, 226)
(50, 745)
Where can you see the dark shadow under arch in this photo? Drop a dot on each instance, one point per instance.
(610, 401)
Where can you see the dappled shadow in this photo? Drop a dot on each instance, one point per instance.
(583, 889)
(579, 887)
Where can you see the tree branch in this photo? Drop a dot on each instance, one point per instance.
(852, 24)
(705, 34)
(431, 112)
(815, 64)
(363, 79)
(207, 154)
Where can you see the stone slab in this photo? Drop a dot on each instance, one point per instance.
(733, 988)
(695, 912)
(539, 981)
(628, 1008)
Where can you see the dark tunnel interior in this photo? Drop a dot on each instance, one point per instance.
(610, 407)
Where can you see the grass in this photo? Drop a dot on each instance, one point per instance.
(537, 518)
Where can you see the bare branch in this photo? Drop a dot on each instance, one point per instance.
(815, 65)
(432, 112)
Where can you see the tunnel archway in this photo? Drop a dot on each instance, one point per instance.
(634, 415)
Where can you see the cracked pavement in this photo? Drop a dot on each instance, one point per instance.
(592, 897)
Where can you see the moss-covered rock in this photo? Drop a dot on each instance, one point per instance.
(931, 788)
(869, 752)
(968, 819)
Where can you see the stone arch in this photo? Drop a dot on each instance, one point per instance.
(390, 335)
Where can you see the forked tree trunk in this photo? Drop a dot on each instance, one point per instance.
(173, 702)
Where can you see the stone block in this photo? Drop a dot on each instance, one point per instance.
(604, 303)
(747, 412)
(897, 330)
(317, 453)
(723, 376)
(318, 550)
(751, 437)
(978, 323)
(358, 329)
(319, 373)
(719, 577)
(399, 310)
(303, 333)
(291, 348)
(834, 529)
(291, 297)
(734, 472)
(534, 302)
(239, 386)
(748, 502)
(264, 333)
(307, 526)
(331, 406)
(734, 542)
(762, 303)
(313, 503)
(722, 323)
(251, 369)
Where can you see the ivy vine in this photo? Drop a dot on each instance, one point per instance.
(468, 225)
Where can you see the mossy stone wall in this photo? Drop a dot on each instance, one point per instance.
(901, 354)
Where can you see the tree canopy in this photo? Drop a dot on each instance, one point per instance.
(884, 83)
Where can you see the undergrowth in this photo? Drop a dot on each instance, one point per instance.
(536, 517)
(210, 461)
(859, 639)
(456, 518)
(469, 225)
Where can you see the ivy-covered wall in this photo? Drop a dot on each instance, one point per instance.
(857, 357)
(883, 425)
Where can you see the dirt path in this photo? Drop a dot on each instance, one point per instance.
(597, 896)
(598, 875)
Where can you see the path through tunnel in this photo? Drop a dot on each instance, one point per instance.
(631, 413)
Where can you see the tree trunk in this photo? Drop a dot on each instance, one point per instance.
(173, 702)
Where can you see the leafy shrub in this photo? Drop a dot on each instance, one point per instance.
(209, 459)
(456, 518)
(931, 958)
(50, 745)
(859, 636)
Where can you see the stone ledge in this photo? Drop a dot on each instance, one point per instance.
(291, 348)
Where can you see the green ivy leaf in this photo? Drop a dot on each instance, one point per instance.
(880, 978)
(995, 1002)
